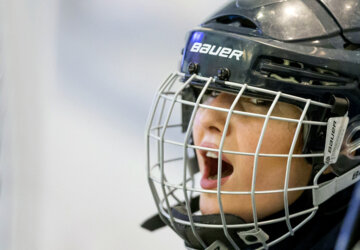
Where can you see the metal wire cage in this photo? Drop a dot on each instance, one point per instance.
(171, 160)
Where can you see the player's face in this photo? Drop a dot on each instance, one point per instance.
(243, 136)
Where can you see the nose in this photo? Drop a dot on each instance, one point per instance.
(213, 121)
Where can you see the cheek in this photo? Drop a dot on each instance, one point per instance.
(279, 137)
(247, 133)
(271, 173)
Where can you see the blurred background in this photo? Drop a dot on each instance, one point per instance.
(76, 82)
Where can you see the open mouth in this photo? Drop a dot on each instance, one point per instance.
(210, 175)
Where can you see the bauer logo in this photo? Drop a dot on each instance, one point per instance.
(331, 142)
(335, 132)
(214, 50)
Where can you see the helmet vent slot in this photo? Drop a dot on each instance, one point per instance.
(236, 21)
(300, 73)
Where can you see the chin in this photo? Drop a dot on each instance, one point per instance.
(209, 205)
(240, 207)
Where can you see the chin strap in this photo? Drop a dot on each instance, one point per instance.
(330, 188)
(213, 237)
(155, 222)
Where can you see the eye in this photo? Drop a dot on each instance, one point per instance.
(209, 96)
(214, 93)
(260, 102)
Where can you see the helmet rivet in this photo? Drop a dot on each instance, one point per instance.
(223, 74)
(193, 68)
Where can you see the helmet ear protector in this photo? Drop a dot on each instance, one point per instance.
(349, 156)
(236, 52)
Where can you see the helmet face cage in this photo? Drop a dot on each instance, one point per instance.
(172, 164)
(258, 51)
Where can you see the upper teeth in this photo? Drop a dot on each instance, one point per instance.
(211, 155)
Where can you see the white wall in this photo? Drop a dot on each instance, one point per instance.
(79, 77)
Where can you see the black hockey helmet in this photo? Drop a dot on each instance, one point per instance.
(306, 53)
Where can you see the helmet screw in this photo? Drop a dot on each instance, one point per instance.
(193, 68)
(223, 74)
